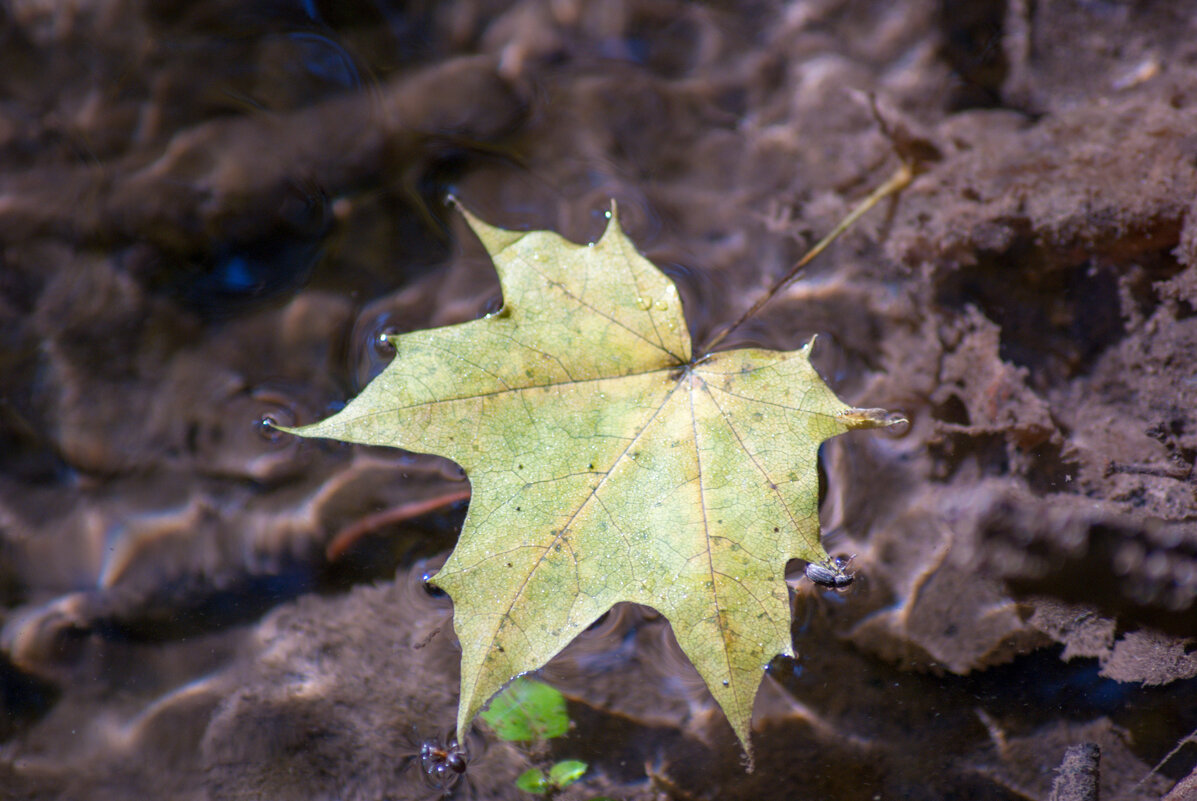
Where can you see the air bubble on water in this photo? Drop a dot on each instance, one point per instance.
(430, 588)
(277, 413)
(494, 306)
(267, 428)
(384, 343)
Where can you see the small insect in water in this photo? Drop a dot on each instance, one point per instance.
(831, 573)
(443, 765)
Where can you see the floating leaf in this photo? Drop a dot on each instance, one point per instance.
(607, 465)
(527, 711)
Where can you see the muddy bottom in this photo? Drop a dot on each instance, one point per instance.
(210, 212)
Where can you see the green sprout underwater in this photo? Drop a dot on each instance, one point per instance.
(531, 712)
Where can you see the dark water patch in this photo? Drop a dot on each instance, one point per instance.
(1153, 721)
(952, 450)
(26, 454)
(427, 185)
(324, 59)
(384, 237)
(1055, 321)
(255, 56)
(673, 42)
(972, 47)
(615, 745)
(917, 722)
(822, 473)
(1139, 571)
(409, 28)
(377, 37)
(376, 555)
(951, 410)
(24, 699)
(1040, 686)
(192, 606)
(1051, 468)
(72, 636)
(237, 275)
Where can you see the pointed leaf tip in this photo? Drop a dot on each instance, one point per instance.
(494, 239)
(870, 418)
(268, 423)
(614, 230)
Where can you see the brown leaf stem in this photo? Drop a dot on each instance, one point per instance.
(896, 183)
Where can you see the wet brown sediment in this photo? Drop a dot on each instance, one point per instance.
(205, 214)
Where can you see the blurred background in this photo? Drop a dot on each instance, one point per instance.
(210, 212)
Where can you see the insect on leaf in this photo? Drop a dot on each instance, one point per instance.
(608, 465)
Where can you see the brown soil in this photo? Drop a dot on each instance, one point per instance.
(210, 211)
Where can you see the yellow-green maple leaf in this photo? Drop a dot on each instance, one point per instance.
(606, 465)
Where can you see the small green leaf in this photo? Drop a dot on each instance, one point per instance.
(566, 772)
(533, 780)
(527, 711)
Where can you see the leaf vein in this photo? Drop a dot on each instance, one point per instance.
(599, 312)
(773, 486)
(706, 530)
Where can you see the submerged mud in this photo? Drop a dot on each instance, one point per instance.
(210, 212)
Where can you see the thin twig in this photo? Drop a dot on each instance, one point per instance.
(896, 183)
(346, 537)
(1190, 738)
